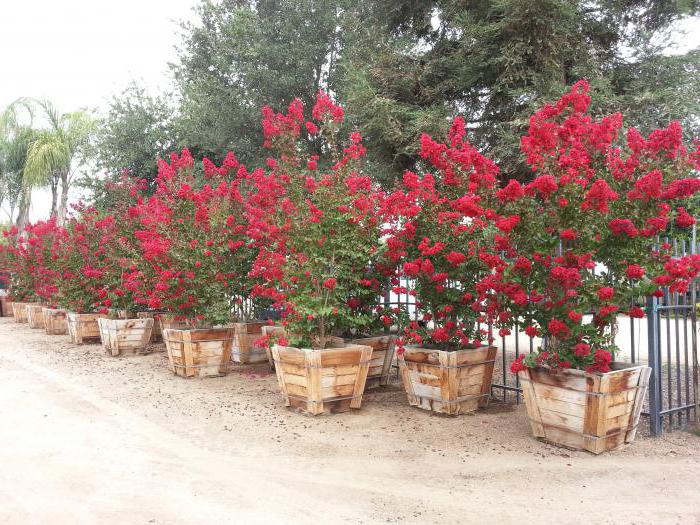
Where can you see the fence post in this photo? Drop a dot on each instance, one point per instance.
(655, 423)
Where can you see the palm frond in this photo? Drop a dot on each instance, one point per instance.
(49, 152)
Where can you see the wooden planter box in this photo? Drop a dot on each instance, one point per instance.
(203, 352)
(594, 412)
(6, 306)
(156, 333)
(19, 311)
(318, 381)
(380, 362)
(35, 316)
(448, 382)
(82, 327)
(55, 321)
(125, 336)
(244, 349)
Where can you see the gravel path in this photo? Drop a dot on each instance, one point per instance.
(88, 438)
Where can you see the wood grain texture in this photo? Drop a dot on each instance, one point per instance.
(19, 311)
(35, 316)
(156, 332)
(448, 382)
(578, 410)
(322, 381)
(83, 327)
(244, 350)
(125, 336)
(202, 352)
(383, 351)
(6, 306)
(55, 321)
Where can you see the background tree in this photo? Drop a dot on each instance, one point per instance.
(136, 131)
(414, 64)
(49, 155)
(242, 55)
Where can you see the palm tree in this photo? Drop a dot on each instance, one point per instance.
(53, 154)
(16, 139)
(58, 152)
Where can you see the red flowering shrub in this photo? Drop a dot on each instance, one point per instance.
(29, 261)
(444, 236)
(195, 253)
(319, 215)
(80, 262)
(585, 242)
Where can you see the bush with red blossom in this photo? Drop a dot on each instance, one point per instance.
(319, 210)
(587, 241)
(445, 238)
(195, 251)
(29, 260)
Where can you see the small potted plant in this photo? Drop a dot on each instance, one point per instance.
(584, 252)
(444, 239)
(325, 230)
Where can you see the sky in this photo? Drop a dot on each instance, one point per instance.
(78, 53)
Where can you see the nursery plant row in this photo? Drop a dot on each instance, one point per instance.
(202, 252)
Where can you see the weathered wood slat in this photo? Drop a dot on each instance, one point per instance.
(594, 412)
(82, 327)
(199, 352)
(35, 316)
(19, 311)
(313, 380)
(125, 336)
(244, 349)
(383, 352)
(448, 382)
(55, 321)
(6, 306)
(156, 333)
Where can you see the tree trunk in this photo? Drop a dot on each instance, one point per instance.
(63, 207)
(54, 194)
(25, 202)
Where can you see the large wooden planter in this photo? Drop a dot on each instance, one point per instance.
(84, 327)
(244, 349)
(125, 336)
(594, 412)
(204, 352)
(318, 381)
(35, 316)
(55, 321)
(448, 382)
(20, 312)
(380, 362)
(6, 306)
(156, 333)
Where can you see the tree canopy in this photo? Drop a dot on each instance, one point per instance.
(406, 67)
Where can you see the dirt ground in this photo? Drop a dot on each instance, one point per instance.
(87, 438)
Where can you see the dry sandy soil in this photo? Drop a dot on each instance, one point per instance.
(86, 438)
